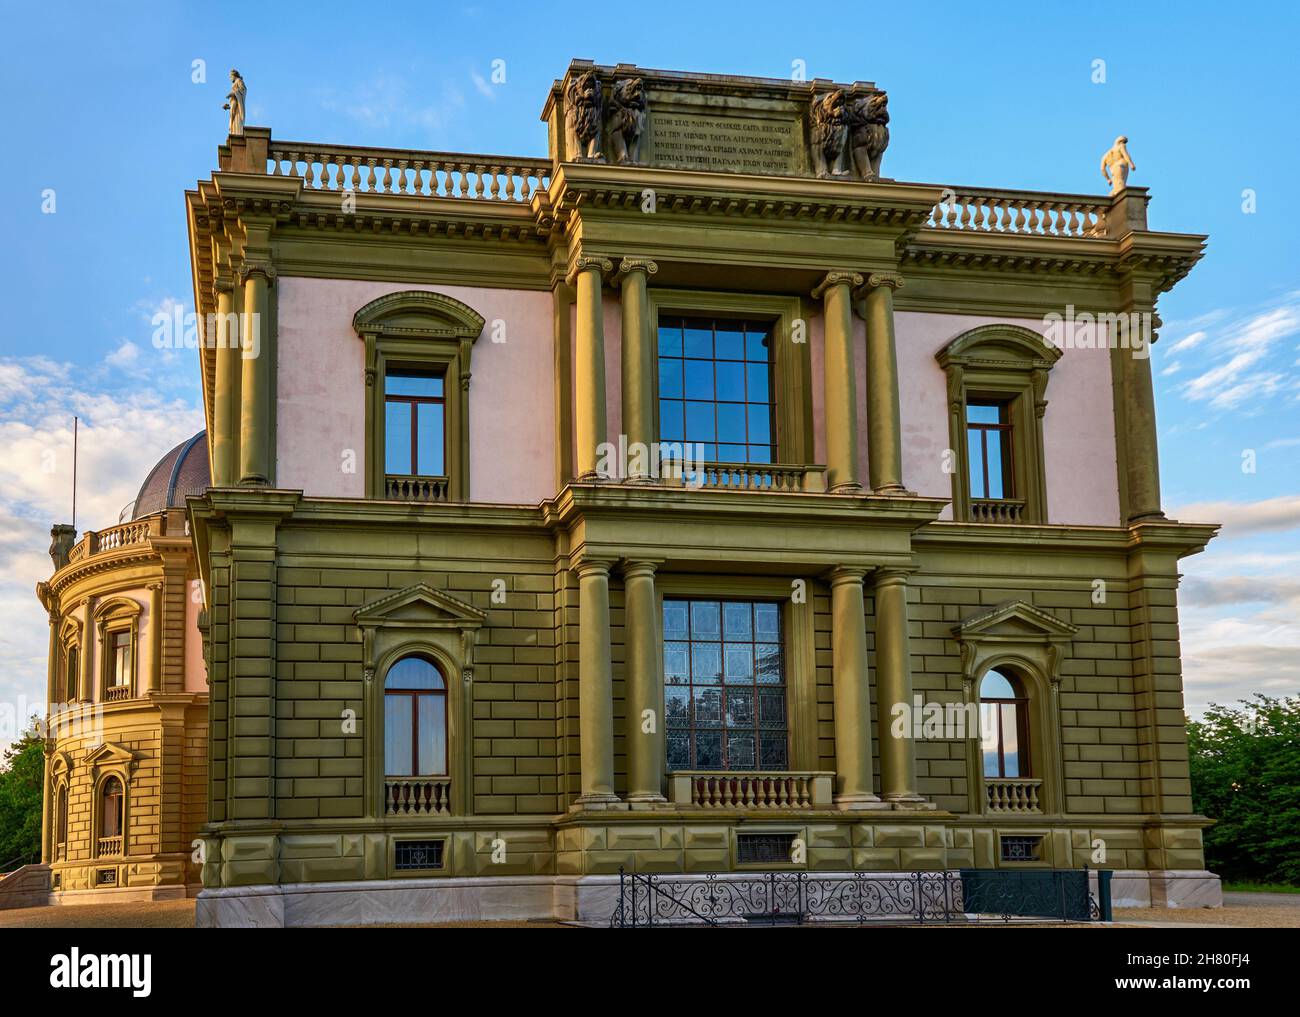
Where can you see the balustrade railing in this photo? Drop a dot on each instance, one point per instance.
(996, 510)
(417, 796)
(109, 847)
(755, 789)
(983, 210)
(117, 693)
(777, 478)
(409, 172)
(424, 489)
(1012, 794)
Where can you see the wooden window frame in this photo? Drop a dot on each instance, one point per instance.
(414, 695)
(1009, 364)
(112, 618)
(413, 403)
(421, 331)
(791, 366)
(1023, 733)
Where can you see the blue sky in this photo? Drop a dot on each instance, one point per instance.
(104, 112)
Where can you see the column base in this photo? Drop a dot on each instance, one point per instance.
(598, 803)
(859, 803)
(646, 802)
(910, 800)
(851, 488)
(893, 489)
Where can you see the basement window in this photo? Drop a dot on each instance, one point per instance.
(764, 848)
(1022, 849)
(418, 854)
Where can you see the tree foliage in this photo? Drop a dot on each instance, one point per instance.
(1245, 765)
(22, 781)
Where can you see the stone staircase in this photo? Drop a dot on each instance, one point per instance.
(26, 887)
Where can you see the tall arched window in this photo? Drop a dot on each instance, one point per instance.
(415, 719)
(60, 824)
(1004, 726)
(112, 816)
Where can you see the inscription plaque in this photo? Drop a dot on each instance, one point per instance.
(735, 144)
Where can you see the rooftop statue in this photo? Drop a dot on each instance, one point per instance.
(869, 134)
(1116, 163)
(235, 104)
(627, 113)
(828, 118)
(582, 119)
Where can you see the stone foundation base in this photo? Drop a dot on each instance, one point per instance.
(1166, 888)
(123, 894)
(585, 899)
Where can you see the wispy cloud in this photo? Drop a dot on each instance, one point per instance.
(481, 83)
(1241, 518)
(1241, 351)
(388, 102)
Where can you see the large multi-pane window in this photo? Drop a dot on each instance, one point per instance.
(414, 423)
(1004, 726)
(415, 719)
(715, 387)
(988, 444)
(724, 685)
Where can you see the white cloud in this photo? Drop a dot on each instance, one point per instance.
(482, 85)
(120, 436)
(1244, 517)
(1245, 344)
(1187, 343)
(126, 357)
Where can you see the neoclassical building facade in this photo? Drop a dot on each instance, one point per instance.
(126, 738)
(693, 499)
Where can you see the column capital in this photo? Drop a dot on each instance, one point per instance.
(842, 574)
(641, 567)
(836, 278)
(249, 268)
(588, 565)
(892, 575)
(583, 263)
(629, 265)
(875, 280)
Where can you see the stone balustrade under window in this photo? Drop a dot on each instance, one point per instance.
(417, 796)
(399, 487)
(1013, 794)
(774, 478)
(109, 847)
(996, 510)
(751, 789)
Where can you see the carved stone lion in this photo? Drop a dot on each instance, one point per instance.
(627, 116)
(582, 118)
(828, 116)
(869, 134)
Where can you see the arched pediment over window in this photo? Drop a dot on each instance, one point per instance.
(418, 314)
(418, 350)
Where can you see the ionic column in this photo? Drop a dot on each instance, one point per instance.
(852, 694)
(884, 430)
(255, 380)
(589, 363)
(646, 738)
(893, 686)
(155, 636)
(595, 687)
(89, 651)
(226, 408)
(52, 670)
(638, 362)
(1143, 458)
(836, 293)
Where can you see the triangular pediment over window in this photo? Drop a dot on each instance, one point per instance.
(109, 754)
(420, 606)
(1015, 620)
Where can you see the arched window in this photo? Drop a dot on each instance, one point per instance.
(1004, 726)
(60, 824)
(415, 719)
(112, 816)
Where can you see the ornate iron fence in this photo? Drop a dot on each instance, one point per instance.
(912, 898)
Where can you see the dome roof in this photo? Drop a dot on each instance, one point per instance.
(180, 473)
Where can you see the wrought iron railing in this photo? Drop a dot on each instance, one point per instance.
(417, 796)
(780, 898)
